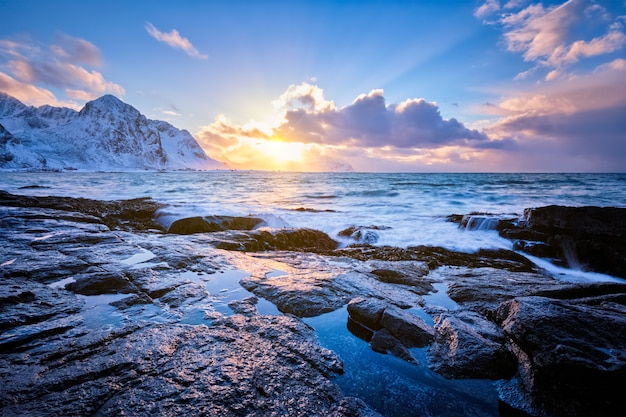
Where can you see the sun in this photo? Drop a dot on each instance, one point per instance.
(281, 153)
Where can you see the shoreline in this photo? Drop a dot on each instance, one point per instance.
(133, 285)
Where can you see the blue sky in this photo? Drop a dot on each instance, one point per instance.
(477, 85)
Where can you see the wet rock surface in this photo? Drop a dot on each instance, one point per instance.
(571, 352)
(589, 238)
(135, 214)
(206, 224)
(103, 313)
(94, 321)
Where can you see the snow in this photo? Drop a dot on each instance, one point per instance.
(106, 135)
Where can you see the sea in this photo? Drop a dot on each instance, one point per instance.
(398, 209)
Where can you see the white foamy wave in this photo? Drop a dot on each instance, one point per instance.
(571, 275)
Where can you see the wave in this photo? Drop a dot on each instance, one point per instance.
(320, 196)
(372, 193)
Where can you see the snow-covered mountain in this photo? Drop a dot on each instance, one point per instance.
(106, 135)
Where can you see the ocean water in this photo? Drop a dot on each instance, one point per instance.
(406, 209)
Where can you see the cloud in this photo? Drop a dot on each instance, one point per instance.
(368, 133)
(370, 122)
(579, 121)
(174, 40)
(64, 65)
(77, 51)
(488, 8)
(30, 94)
(560, 36)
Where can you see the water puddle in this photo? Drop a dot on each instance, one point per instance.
(274, 273)
(440, 297)
(62, 283)
(223, 287)
(144, 256)
(394, 387)
(98, 313)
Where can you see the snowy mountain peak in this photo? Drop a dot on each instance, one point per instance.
(106, 135)
(10, 105)
(108, 104)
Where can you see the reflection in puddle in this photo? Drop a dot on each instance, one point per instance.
(144, 256)
(394, 387)
(223, 287)
(62, 283)
(98, 313)
(440, 297)
(275, 273)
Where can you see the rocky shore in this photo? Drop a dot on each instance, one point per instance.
(104, 312)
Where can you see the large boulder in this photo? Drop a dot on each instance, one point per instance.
(206, 224)
(388, 328)
(588, 238)
(411, 330)
(571, 352)
(469, 346)
(367, 311)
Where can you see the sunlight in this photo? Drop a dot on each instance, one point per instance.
(281, 153)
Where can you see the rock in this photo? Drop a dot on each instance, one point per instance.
(409, 329)
(362, 234)
(571, 352)
(588, 238)
(483, 289)
(134, 214)
(367, 312)
(238, 366)
(435, 257)
(247, 306)
(306, 240)
(206, 224)
(597, 221)
(101, 283)
(132, 300)
(63, 354)
(387, 328)
(382, 341)
(313, 284)
(469, 346)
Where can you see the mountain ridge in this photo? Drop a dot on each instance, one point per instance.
(107, 134)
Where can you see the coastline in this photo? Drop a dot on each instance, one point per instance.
(138, 286)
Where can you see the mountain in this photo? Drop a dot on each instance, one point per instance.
(106, 135)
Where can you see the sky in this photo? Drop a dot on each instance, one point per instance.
(391, 86)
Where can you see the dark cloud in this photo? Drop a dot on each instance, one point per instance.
(598, 135)
(370, 122)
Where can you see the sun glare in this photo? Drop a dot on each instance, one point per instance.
(281, 153)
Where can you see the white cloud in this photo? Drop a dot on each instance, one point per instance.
(30, 94)
(174, 40)
(64, 65)
(488, 8)
(557, 37)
